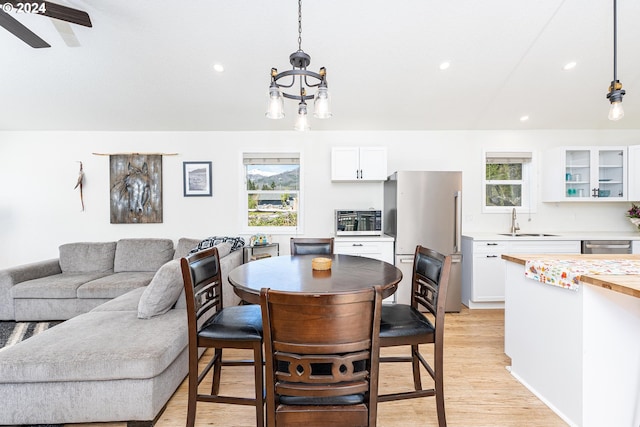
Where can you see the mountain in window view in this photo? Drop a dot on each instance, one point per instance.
(288, 180)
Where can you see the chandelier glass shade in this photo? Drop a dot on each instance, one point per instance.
(299, 78)
(616, 112)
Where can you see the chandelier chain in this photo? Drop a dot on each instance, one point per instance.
(299, 24)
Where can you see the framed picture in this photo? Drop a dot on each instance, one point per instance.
(136, 188)
(197, 179)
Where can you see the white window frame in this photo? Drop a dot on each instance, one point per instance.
(275, 155)
(529, 180)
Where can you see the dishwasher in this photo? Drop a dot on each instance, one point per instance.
(606, 246)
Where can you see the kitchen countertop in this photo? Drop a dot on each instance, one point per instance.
(625, 284)
(557, 235)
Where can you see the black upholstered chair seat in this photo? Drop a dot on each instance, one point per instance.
(241, 322)
(401, 320)
(350, 399)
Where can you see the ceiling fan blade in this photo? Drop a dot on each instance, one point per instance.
(20, 31)
(68, 14)
(58, 11)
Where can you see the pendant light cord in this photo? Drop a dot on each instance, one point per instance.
(615, 44)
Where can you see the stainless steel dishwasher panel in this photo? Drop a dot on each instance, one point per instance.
(606, 246)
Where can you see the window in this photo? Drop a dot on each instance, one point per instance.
(508, 181)
(272, 192)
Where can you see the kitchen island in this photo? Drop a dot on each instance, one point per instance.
(573, 334)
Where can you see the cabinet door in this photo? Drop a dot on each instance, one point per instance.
(345, 163)
(488, 277)
(373, 163)
(610, 182)
(578, 171)
(633, 160)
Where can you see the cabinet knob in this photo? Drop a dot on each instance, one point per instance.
(357, 244)
(492, 256)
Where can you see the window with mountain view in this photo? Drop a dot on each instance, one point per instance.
(272, 186)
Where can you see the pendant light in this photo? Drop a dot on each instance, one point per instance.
(616, 112)
(305, 79)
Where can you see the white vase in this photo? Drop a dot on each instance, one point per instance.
(636, 222)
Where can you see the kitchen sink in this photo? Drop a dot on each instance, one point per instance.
(527, 234)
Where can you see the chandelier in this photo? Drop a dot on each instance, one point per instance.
(305, 79)
(615, 90)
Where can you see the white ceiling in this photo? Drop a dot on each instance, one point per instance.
(147, 65)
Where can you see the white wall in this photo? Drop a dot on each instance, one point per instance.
(39, 209)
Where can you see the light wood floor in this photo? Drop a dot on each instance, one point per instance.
(479, 391)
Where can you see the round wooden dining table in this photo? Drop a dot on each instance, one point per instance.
(294, 274)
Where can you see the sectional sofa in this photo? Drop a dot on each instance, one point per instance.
(123, 351)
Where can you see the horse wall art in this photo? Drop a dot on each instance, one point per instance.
(136, 188)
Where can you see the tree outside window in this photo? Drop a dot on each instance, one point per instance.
(508, 181)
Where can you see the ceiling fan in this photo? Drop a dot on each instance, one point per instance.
(52, 10)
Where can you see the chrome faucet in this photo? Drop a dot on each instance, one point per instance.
(514, 225)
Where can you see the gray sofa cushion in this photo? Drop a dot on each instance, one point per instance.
(87, 256)
(142, 254)
(184, 246)
(126, 302)
(115, 284)
(63, 285)
(163, 291)
(98, 346)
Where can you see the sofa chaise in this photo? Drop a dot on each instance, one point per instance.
(122, 359)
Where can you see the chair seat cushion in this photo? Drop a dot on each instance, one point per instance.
(240, 322)
(401, 320)
(350, 399)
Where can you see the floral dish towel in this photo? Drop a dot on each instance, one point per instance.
(566, 273)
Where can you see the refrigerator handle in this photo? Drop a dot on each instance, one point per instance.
(458, 221)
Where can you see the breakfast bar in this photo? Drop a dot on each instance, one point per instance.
(572, 331)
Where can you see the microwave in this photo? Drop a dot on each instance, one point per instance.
(358, 223)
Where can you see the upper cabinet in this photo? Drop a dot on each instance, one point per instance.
(634, 173)
(358, 163)
(573, 174)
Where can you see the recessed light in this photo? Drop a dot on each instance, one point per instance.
(524, 118)
(445, 65)
(569, 66)
(218, 67)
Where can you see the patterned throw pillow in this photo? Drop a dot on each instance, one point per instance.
(236, 243)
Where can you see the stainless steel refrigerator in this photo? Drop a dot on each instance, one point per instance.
(424, 208)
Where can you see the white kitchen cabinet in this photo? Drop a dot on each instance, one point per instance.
(575, 174)
(483, 268)
(380, 248)
(358, 163)
(634, 172)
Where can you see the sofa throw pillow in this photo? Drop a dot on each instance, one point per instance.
(146, 254)
(184, 246)
(83, 257)
(163, 291)
(236, 243)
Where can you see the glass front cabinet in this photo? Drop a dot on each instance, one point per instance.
(578, 174)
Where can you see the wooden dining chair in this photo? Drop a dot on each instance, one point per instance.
(311, 245)
(404, 324)
(211, 326)
(321, 357)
